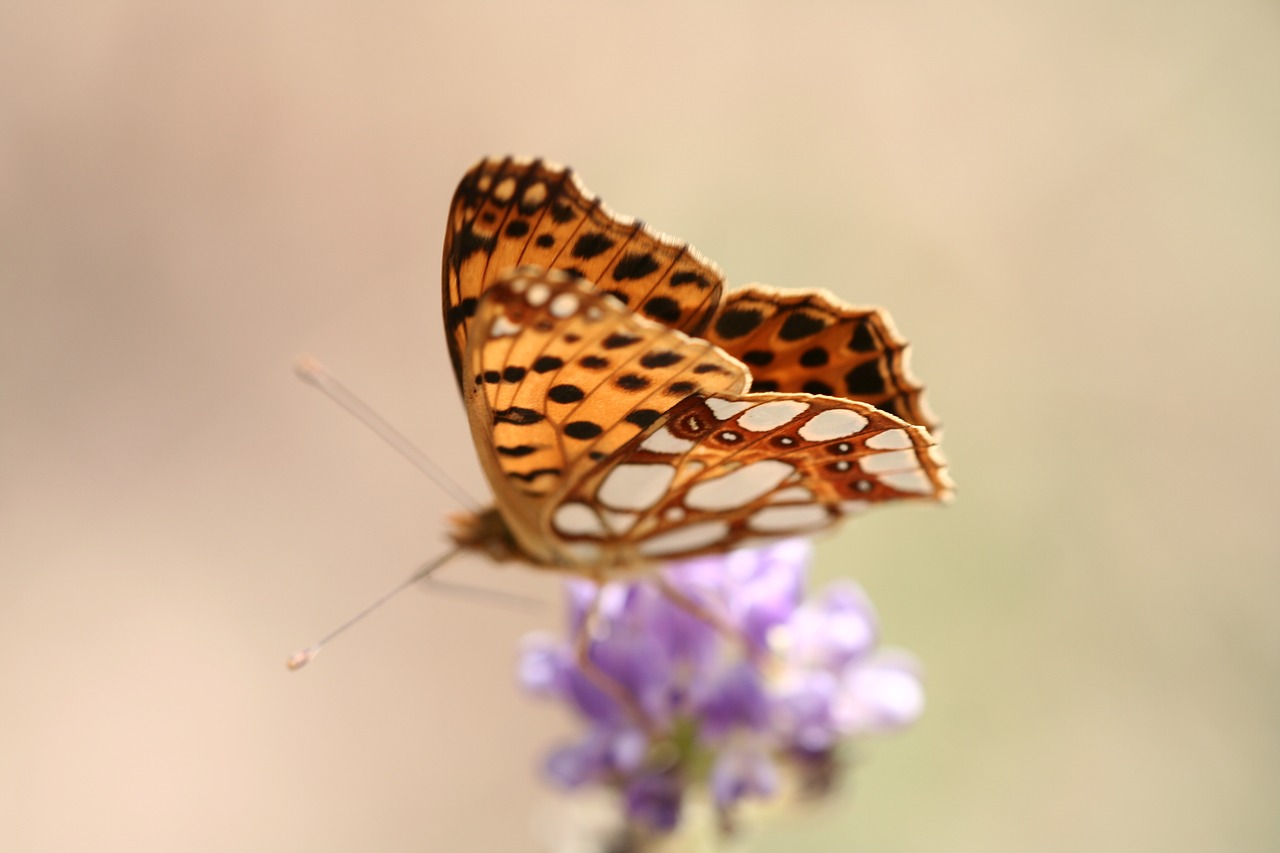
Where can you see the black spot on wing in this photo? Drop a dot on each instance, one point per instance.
(583, 430)
(631, 382)
(635, 265)
(738, 322)
(545, 241)
(517, 228)
(516, 451)
(547, 363)
(593, 362)
(664, 358)
(757, 357)
(862, 339)
(815, 357)
(800, 325)
(530, 476)
(460, 312)
(663, 309)
(517, 415)
(592, 244)
(816, 387)
(512, 373)
(468, 242)
(690, 277)
(565, 393)
(643, 417)
(618, 340)
(865, 379)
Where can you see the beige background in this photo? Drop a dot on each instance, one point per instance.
(1071, 207)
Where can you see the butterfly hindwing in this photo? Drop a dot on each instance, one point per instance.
(560, 377)
(726, 471)
(810, 342)
(509, 212)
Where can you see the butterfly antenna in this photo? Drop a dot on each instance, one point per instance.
(304, 657)
(311, 371)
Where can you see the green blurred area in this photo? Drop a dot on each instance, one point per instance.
(1071, 209)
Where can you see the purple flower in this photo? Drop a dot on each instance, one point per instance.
(718, 676)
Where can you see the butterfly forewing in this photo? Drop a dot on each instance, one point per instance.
(560, 377)
(509, 212)
(809, 341)
(728, 471)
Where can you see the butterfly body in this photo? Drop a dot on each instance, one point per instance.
(615, 416)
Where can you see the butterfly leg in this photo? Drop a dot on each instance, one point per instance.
(610, 686)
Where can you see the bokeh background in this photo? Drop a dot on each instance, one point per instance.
(1072, 208)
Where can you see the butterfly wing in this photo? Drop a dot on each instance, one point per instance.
(726, 471)
(558, 377)
(511, 212)
(808, 341)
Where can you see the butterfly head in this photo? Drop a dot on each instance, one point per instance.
(487, 532)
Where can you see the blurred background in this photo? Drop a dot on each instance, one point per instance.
(1071, 208)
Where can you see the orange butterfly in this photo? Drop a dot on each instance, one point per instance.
(625, 409)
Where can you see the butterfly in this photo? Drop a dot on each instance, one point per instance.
(626, 408)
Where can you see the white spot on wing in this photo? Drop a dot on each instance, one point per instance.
(890, 439)
(795, 493)
(619, 522)
(538, 294)
(771, 415)
(894, 460)
(505, 189)
(683, 539)
(663, 441)
(738, 488)
(854, 507)
(502, 327)
(635, 486)
(777, 519)
(563, 305)
(832, 424)
(725, 409)
(536, 194)
(577, 519)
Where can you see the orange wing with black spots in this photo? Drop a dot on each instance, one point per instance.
(808, 341)
(510, 212)
(559, 377)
